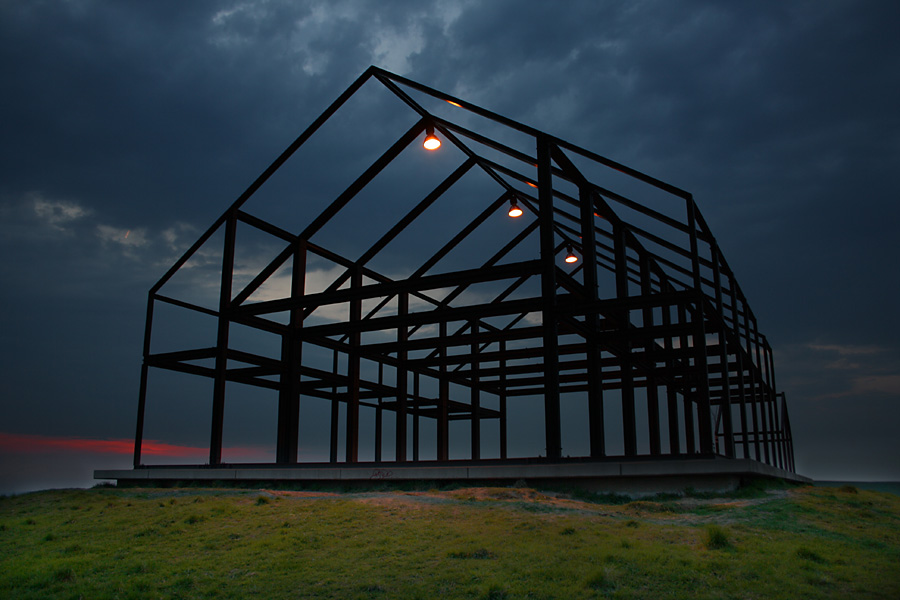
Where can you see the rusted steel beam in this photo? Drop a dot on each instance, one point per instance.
(549, 317)
(705, 350)
(391, 288)
(218, 407)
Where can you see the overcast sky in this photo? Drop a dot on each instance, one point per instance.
(128, 127)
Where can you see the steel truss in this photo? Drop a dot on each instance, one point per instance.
(673, 331)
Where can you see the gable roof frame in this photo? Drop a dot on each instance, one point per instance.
(684, 327)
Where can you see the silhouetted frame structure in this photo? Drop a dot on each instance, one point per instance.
(651, 318)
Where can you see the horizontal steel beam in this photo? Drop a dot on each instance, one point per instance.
(392, 288)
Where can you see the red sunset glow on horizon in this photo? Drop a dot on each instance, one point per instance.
(33, 444)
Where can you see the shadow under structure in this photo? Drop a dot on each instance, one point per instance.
(437, 310)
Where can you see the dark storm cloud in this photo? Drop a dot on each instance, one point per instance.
(129, 126)
(116, 96)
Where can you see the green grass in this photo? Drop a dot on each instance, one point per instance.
(717, 538)
(498, 543)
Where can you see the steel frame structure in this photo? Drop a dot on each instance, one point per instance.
(674, 332)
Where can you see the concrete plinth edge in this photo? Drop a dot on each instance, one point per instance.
(633, 477)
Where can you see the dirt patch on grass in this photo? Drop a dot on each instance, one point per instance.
(389, 500)
(512, 495)
(731, 503)
(722, 510)
(550, 501)
(290, 494)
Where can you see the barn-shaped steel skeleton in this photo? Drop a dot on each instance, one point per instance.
(589, 295)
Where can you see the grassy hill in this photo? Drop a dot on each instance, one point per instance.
(488, 543)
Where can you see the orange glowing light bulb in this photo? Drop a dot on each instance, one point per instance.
(431, 141)
(570, 256)
(514, 210)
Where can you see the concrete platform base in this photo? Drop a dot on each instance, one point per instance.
(635, 477)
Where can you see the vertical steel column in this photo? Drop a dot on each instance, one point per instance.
(416, 418)
(552, 425)
(475, 397)
(218, 408)
(443, 420)
(594, 366)
(762, 396)
(779, 426)
(725, 402)
(142, 394)
(782, 411)
(690, 445)
(335, 411)
(774, 427)
(502, 386)
(629, 419)
(788, 438)
(650, 360)
(139, 433)
(287, 438)
(739, 360)
(671, 389)
(704, 418)
(753, 382)
(353, 374)
(378, 414)
(402, 377)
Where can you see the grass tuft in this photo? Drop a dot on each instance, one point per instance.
(496, 592)
(261, 500)
(817, 579)
(64, 575)
(595, 498)
(717, 538)
(601, 582)
(193, 519)
(480, 554)
(648, 506)
(805, 553)
(666, 496)
(849, 489)
(535, 507)
(567, 531)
